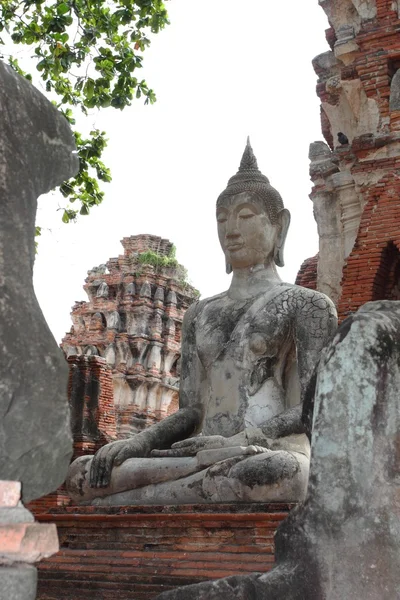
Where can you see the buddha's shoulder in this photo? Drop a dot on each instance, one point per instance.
(304, 299)
(198, 307)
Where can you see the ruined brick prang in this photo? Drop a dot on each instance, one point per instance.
(356, 184)
(123, 349)
(133, 321)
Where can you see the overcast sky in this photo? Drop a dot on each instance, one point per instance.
(222, 70)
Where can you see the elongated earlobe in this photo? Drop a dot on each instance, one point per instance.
(228, 268)
(284, 221)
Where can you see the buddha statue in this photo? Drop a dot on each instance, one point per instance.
(248, 355)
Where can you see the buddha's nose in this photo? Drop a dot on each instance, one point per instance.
(232, 230)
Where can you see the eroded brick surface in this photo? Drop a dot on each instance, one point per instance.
(137, 552)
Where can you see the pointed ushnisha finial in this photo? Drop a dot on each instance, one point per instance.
(249, 161)
(250, 179)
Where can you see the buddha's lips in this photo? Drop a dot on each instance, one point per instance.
(236, 246)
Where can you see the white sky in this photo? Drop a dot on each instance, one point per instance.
(222, 70)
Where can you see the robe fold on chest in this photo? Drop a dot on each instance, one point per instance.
(248, 350)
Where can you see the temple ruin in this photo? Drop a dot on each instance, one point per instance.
(123, 351)
(123, 348)
(356, 184)
(132, 325)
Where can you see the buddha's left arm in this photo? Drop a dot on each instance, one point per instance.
(314, 324)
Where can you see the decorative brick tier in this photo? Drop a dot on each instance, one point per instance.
(133, 320)
(137, 552)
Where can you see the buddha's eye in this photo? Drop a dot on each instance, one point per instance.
(222, 218)
(246, 215)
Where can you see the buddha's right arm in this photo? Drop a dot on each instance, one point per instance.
(182, 424)
(187, 421)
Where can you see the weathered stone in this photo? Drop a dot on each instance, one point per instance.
(344, 541)
(10, 493)
(395, 92)
(27, 542)
(326, 65)
(17, 514)
(36, 154)
(18, 583)
(359, 94)
(21, 542)
(248, 356)
(322, 161)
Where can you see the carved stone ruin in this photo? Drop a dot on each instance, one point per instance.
(36, 154)
(133, 319)
(356, 185)
(344, 541)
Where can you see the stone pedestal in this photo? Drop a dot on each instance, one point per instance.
(138, 552)
(22, 543)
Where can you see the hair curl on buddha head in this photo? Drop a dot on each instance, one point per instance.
(250, 179)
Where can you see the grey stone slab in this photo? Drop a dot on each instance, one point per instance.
(18, 583)
(36, 154)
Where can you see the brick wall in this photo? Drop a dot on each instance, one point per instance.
(90, 393)
(307, 275)
(93, 423)
(137, 552)
(371, 272)
(356, 185)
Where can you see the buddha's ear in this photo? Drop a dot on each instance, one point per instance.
(283, 226)
(228, 268)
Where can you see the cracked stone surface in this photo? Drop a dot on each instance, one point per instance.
(36, 154)
(344, 541)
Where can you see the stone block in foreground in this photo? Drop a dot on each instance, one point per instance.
(37, 152)
(22, 543)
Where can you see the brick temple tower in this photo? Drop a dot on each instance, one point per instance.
(356, 193)
(130, 329)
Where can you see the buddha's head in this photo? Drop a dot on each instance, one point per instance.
(252, 221)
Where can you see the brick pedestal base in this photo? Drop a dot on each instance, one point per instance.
(134, 553)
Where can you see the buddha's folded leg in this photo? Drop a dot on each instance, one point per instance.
(275, 476)
(187, 490)
(133, 473)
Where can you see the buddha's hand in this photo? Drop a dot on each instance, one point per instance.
(113, 455)
(192, 446)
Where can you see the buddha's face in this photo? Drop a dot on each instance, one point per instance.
(246, 234)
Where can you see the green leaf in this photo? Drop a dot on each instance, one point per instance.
(86, 52)
(88, 88)
(63, 8)
(65, 217)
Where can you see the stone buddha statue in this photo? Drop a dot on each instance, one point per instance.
(248, 355)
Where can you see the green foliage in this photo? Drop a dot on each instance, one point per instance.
(87, 52)
(38, 232)
(158, 261)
